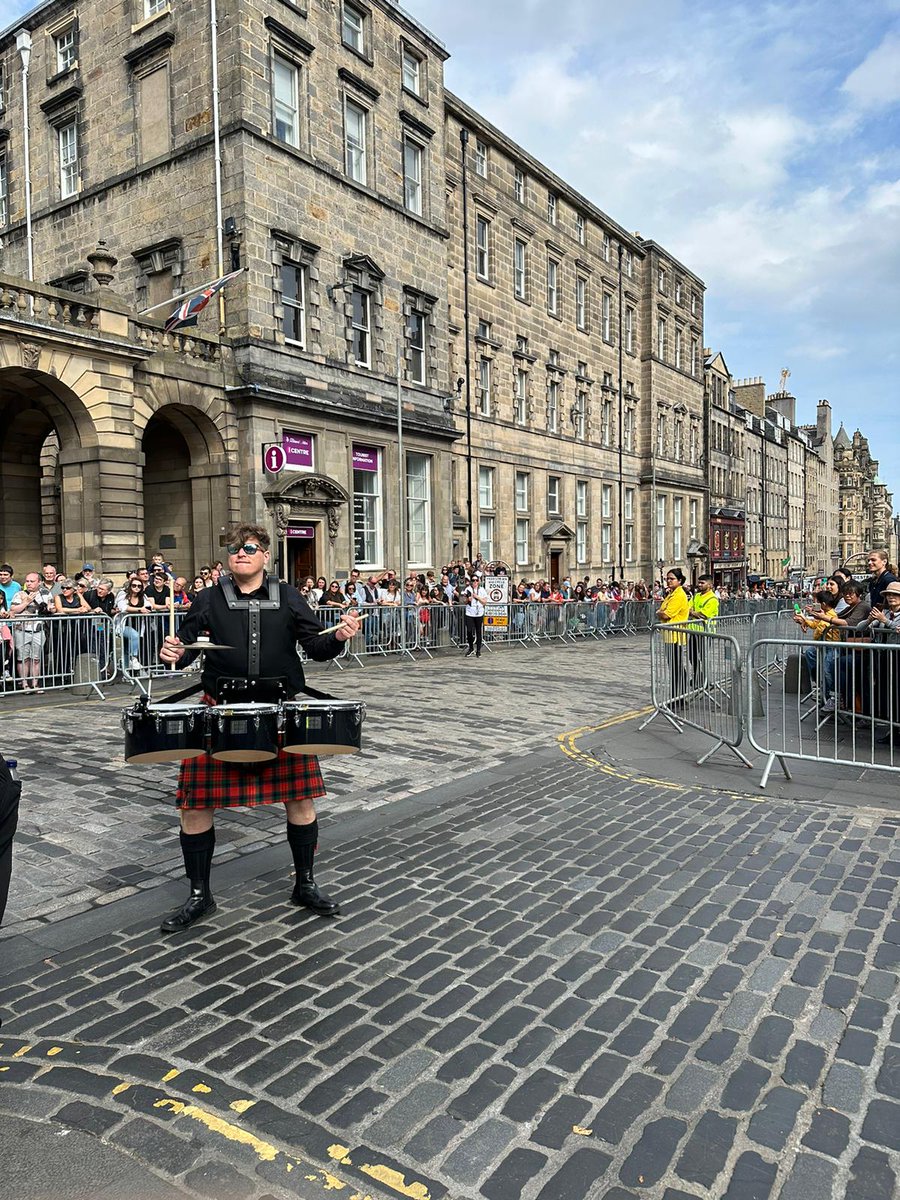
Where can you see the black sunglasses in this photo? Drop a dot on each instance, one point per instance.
(248, 548)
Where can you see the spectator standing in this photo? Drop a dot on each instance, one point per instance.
(34, 603)
(821, 622)
(158, 591)
(675, 610)
(50, 578)
(475, 597)
(881, 577)
(333, 597)
(8, 587)
(132, 602)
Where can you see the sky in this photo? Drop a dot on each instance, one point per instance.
(758, 142)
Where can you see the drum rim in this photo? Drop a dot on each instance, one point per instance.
(251, 706)
(313, 704)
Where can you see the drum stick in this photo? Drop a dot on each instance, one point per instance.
(331, 628)
(172, 615)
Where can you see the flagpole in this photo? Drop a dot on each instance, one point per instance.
(184, 295)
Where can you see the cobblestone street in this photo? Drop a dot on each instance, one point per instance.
(549, 981)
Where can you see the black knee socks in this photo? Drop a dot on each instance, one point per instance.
(302, 840)
(198, 849)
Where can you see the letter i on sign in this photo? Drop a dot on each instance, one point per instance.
(274, 458)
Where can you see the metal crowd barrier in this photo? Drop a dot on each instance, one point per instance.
(56, 652)
(696, 680)
(836, 702)
(89, 651)
(139, 639)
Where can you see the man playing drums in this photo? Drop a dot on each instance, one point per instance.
(262, 621)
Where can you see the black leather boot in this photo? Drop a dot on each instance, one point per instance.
(302, 840)
(198, 849)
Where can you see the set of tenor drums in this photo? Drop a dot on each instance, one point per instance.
(241, 733)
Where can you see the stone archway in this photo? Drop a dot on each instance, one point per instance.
(185, 485)
(49, 510)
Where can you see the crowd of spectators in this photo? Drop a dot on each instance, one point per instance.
(156, 586)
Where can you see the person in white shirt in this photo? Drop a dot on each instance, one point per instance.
(475, 597)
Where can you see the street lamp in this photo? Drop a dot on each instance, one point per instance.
(660, 565)
(23, 45)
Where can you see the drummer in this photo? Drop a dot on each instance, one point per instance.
(260, 621)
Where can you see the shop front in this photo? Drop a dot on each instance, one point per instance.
(727, 547)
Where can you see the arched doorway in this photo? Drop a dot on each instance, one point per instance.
(185, 487)
(46, 512)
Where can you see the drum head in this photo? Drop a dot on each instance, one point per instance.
(244, 756)
(164, 756)
(322, 749)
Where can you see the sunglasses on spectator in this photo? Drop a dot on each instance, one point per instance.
(248, 548)
(67, 587)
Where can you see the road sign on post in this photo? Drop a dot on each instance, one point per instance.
(274, 458)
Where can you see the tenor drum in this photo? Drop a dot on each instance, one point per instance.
(161, 733)
(323, 726)
(244, 732)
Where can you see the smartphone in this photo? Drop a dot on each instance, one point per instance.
(797, 609)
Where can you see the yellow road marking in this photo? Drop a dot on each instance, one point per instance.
(568, 744)
(264, 1150)
(120, 1088)
(170, 1075)
(54, 1050)
(24, 1050)
(4, 1068)
(396, 1181)
(241, 1106)
(581, 1131)
(339, 1153)
(201, 1087)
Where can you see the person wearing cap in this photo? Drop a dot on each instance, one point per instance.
(87, 574)
(888, 616)
(475, 596)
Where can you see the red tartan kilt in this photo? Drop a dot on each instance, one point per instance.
(207, 783)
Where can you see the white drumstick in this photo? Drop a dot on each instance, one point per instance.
(331, 628)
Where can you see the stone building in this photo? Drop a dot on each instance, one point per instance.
(822, 505)
(865, 502)
(674, 470)
(332, 193)
(546, 294)
(726, 436)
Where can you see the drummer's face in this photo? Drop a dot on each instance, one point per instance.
(243, 564)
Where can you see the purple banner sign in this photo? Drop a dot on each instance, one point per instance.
(365, 458)
(298, 447)
(300, 531)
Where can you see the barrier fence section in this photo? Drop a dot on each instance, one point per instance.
(696, 680)
(139, 639)
(51, 653)
(836, 702)
(92, 650)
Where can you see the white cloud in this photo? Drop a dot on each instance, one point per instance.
(875, 83)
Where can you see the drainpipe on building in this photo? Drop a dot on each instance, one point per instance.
(401, 471)
(23, 45)
(621, 430)
(217, 151)
(464, 141)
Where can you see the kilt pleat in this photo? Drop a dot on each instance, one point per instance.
(207, 783)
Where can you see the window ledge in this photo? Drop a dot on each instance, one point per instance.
(361, 55)
(53, 80)
(148, 21)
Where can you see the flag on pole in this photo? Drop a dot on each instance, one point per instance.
(786, 562)
(186, 314)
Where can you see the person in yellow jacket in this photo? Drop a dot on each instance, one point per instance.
(675, 610)
(704, 610)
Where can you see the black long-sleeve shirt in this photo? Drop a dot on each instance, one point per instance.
(280, 631)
